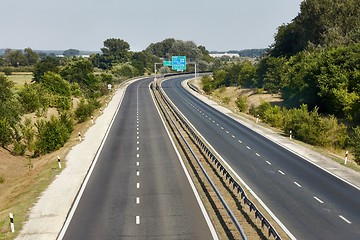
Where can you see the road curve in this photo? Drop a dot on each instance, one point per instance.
(138, 189)
(310, 202)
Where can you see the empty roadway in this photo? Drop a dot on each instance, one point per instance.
(138, 188)
(310, 202)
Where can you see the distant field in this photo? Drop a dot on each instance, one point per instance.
(20, 78)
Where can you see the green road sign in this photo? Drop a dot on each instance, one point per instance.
(179, 63)
(167, 63)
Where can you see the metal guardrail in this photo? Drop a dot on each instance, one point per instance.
(228, 177)
(232, 216)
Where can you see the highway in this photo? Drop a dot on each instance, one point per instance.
(310, 202)
(138, 188)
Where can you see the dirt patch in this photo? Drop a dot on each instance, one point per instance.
(228, 95)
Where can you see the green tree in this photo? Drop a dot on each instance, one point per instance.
(47, 64)
(34, 98)
(114, 51)
(124, 70)
(14, 58)
(71, 52)
(247, 74)
(31, 57)
(55, 84)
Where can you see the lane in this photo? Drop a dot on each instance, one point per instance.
(311, 203)
(138, 188)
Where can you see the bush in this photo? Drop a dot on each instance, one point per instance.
(19, 148)
(241, 103)
(63, 103)
(85, 109)
(5, 132)
(53, 134)
(7, 71)
(226, 100)
(207, 85)
(274, 116)
(33, 97)
(355, 144)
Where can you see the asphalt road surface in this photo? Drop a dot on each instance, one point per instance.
(310, 202)
(138, 189)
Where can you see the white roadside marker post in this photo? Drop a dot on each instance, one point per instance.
(346, 157)
(257, 118)
(12, 223)
(79, 136)
(92, 119)
(290, 134)
(59, 163)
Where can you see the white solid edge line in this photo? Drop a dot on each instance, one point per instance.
(241, 180)
(197, 196)
(83, 185)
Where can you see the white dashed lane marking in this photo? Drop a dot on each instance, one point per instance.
(297, 184)
(240, 141)
(137, 173)
(137, 164)
(137, 185)
(318, 199)
(248, 147)
(281, 172)
(137, 155)
(343, 218)
(137, 220)
(137, 200)
(227, 132)
(232, 136)
(257, 154)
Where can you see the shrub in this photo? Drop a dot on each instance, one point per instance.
(5, 132)
(274, 116)
(85, 109)
(33, 97)
(226, 100)
(7, 71)
(63, 103)
(53, 134)
(19, 148)
(241, 103)
(355, 144)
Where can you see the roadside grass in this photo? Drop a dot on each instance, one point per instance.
(20, 79)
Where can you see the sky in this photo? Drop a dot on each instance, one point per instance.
(219, 25)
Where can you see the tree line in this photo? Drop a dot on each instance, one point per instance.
(57, 81)
(314, 65)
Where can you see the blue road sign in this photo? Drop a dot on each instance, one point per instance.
(179, 63)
